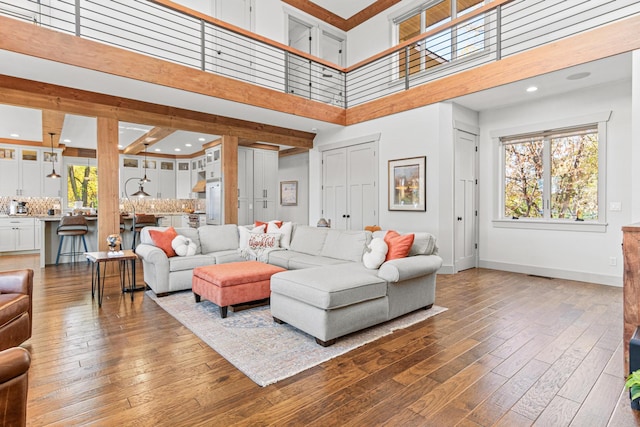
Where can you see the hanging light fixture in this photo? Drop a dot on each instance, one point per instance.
(145, 179)
(53, 173)
(140, 193)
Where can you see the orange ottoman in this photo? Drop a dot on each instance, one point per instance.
(233, 283)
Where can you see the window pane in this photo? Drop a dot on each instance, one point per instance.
(438, 46)
(523, 180)
(408, 29)
(574, 176)
(471, 33)
(82, 185)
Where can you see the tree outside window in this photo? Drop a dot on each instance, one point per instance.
(553, 175)
(82, 185)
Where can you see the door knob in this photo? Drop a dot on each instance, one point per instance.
(459, 218)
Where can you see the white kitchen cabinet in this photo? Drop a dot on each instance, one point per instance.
(213, 162)
(245, 185)
(166, 180)
(130, 167)
(20, 171)
(265, 184)
(170, 221)
(183, 179)
(17, 234)
(52, 187)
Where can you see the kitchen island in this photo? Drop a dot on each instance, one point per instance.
(49, 239)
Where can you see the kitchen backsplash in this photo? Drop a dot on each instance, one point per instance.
(40, 205)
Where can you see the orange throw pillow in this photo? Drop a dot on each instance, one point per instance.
(399, 245)
(266, 224)
(163, 239)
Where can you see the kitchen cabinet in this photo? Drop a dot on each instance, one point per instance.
(265, 184)
(161, 172)
(17, 234)
(130, 167)
(183, 179)
(213, 163)
(166, 180)
(20, 171)
(171, 221)
(245, 186)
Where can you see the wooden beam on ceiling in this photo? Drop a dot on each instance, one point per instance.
(337, 21)
(50, 45)
(153, 136)
(52, 122)
(292, 152)
(212, 144)
(30, 93)
(254, 144)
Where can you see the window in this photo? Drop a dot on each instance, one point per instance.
(82, 184)
(553, 175)
(444, 46)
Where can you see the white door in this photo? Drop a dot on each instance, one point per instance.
(334, 187)
(349, 190)
(466, 218)
(330, 88)
(363, 195)
(298, 68)
(232, 55)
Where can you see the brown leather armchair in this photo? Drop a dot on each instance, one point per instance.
(14, 368)
(16, 307)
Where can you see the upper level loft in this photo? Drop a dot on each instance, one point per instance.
(437, 41)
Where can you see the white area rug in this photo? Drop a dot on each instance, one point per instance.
(263, 350)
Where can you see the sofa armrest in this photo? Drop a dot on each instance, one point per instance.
(152, 254)
(14, 362)
(16, 282)
(397, 270)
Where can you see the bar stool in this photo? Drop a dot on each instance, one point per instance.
(74, 226)
(142, 220)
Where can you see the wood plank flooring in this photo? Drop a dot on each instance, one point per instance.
(512, 350)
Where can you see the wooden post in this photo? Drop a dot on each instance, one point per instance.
(631, 286)
(108, 180)
(230, 178)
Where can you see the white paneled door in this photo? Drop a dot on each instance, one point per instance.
(349, 190)
(466, 218)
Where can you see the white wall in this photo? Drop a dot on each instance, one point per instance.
(566, 254)
(295, 168)
(424, 131)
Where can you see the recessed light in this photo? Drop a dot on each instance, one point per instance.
(120, 146)
(67, 140)
(176, 149)
(187, 145)
(314, 129)
(532, 88)
(578, 76)
(201, 139)
(157, 149)
(14, 135)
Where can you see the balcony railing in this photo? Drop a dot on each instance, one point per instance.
(497, 30)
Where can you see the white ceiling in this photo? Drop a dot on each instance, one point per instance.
(344, 8)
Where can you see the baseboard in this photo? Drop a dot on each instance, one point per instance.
(580, 276)
(446, 269)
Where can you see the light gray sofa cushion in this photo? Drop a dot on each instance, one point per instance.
(281, 258)
(223, 257)
(215, 238)
(345, 244)
(331, 286)
(179, 263)
(299, 261)
(423, 243)
(308, 240)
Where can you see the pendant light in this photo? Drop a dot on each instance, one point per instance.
(53, 173)
(145, 179)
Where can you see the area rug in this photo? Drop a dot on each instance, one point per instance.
(263, 350)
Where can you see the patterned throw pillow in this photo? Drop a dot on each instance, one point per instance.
(245, 233)
(264, 240)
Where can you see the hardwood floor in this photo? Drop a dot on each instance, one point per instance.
(512, 350)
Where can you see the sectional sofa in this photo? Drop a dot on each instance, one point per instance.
(327, 291)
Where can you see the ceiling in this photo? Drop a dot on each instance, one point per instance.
(344, 8)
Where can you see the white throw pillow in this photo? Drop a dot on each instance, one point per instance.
(184, 246)
(245, 233)
(285, 230)
(375, 253)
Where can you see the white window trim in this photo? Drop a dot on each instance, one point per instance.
(499, 221)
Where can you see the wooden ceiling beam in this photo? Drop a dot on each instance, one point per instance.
(153, 136)
(30, 93)
(52, 122)
(292, 152)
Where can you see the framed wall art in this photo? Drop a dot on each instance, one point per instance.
(407, 184)
(289, 193)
